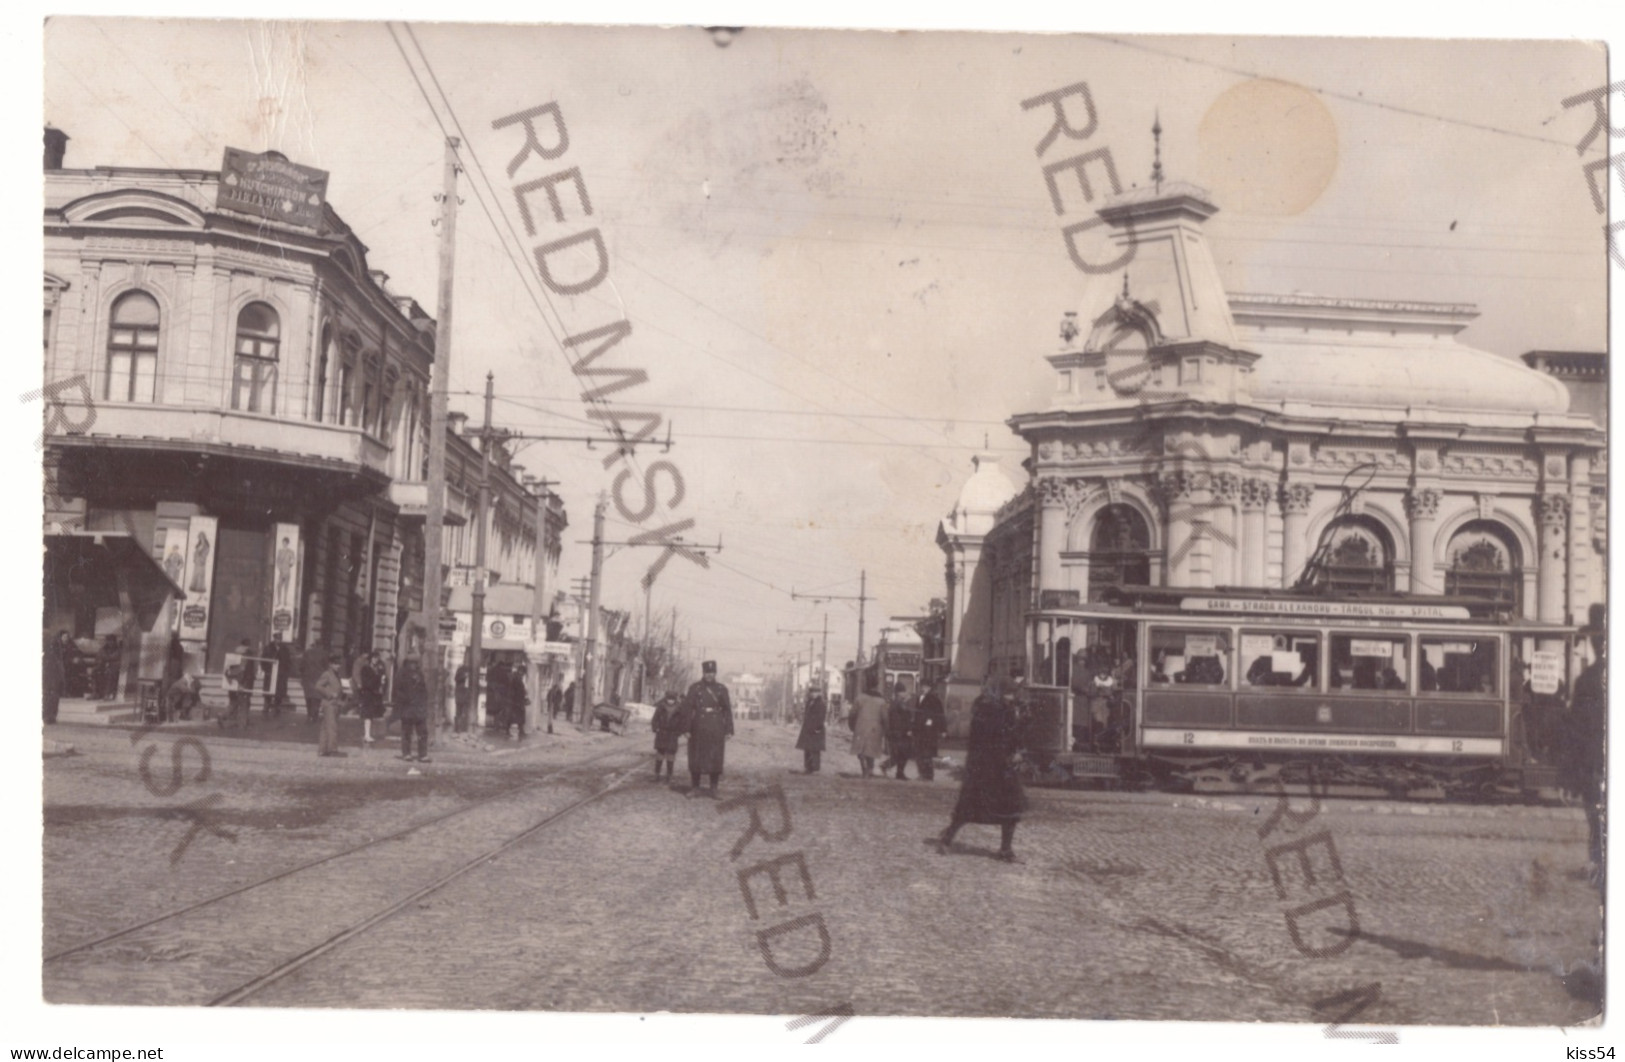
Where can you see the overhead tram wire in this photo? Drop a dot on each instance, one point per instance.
(1333, 93)
(527, 277)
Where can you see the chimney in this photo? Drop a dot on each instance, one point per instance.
(56, 147)
(455, 422)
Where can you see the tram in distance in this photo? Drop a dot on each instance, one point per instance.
(1244, 689)
(893, 662)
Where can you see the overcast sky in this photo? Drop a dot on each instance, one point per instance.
(837, 250)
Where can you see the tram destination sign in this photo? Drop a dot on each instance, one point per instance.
(1407, 610)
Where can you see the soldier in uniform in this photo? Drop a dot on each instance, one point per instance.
(710, 720)
(811, 740)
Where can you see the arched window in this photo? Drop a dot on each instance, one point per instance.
(1119, 550)
(132, 349)
(1356, 554)
(253, 381)
(1483, 562)
(318, 381)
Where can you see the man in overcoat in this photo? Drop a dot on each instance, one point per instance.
(412, 706)
(868, 723)
(710, 719)
(899, 731)
(991, 792)
(930, 723)
(330, 690)
(667, 725)
(811, 741)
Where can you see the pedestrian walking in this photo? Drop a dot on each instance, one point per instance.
(496, 695)
(667, 725)
(369, 693)
(710, 719)
(1581, 759)
(107, 668)
(56, 651)
(518, 701)
(991, 793)
(868, 725)
(240, 676)
(311, 665)
(412, 706)
(930, 723)
(330, 691)
(555, 697)
(811, 740)
(570, 702)
(460, 693)
(899, 732)
(283, 654)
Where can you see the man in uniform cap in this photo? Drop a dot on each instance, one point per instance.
(710, 720)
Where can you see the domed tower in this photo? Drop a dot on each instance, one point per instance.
(962, 536)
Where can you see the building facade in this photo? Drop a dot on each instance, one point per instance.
(246, 397)
(1203, 438)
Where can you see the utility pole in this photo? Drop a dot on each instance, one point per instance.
(592, 610)
(862, 599)
(435, 519)
(538, 599)
(477, 634)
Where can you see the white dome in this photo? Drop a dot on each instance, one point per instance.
(986, 490)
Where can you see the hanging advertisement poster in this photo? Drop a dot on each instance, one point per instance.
(169, 543)
(198, 578)
(286, 554)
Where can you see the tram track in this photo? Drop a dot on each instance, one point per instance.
(219, 903)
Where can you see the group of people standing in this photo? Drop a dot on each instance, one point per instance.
(705, 716)
(902, 728)
(506, 697)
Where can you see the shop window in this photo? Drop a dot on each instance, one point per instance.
(1191, 657)
(1370, 662)
(253, 382)
(1458, 664)
(1355, 555)
(1119, 550)
(132, 349)
(1482, 563)
(1278, 658)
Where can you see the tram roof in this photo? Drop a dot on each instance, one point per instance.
(1253, 601)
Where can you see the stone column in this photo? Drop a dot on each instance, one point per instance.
(1554, 525)
(1580, 586)
(1051, 534)
(1225, 489)
(1255, 535)
(1295, 501)
(1422, 507)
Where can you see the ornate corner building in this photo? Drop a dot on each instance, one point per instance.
(1202, 438)
(250, 404)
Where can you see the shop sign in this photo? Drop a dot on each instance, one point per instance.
(269, 186)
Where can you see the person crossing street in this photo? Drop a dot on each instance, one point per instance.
(811, 740)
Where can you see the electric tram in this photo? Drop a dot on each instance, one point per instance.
(1248, 688)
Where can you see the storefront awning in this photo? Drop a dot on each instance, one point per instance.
(95, 563)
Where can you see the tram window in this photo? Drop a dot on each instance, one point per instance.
(1370, 662)
(1280, 658)
(1195, 657)
(1459, 664)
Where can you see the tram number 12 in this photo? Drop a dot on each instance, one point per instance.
(1455, 746)
(1190, 738)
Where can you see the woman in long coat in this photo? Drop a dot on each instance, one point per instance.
(811, 741)
(868, 723)
(991, 793)
(930, 723)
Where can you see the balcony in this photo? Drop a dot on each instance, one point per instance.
(220, 431)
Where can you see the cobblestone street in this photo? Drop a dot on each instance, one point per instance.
(1125, 906)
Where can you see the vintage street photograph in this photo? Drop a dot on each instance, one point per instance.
(821, 526)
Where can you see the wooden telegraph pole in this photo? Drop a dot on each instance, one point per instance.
(538, 600)
(589, 658)
(435, 521)
(476, 638)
